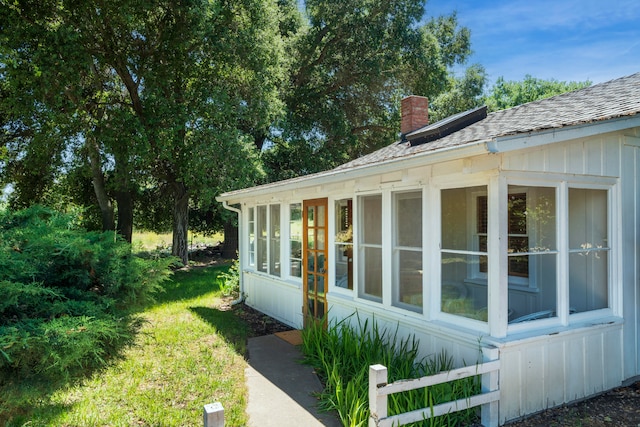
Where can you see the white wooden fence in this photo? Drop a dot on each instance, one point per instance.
(488, 398)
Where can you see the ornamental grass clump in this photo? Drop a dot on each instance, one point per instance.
(342, 353)
(68, 297)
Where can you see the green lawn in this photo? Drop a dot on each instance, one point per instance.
(150, 241)
(187, 354)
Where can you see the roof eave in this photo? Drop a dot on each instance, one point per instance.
(336, 175)
(530, 139)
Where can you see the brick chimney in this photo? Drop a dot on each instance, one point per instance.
(415, 113)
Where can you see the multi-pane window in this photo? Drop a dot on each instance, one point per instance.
(252, 237)
(532, 253)
(588, 250)
(517, 233)
(407, 250)
(274, 240)
(344, 243)
(267, 224)
(295, 239)
(370, 247)
(461, 255)
(261, 238)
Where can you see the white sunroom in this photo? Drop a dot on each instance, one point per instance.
(515, 231)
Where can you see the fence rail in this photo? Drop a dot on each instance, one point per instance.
(488, 398)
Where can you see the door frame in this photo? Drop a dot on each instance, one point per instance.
(319, 252)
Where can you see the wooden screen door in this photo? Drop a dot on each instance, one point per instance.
(315, 262)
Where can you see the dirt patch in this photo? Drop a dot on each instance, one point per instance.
(259, 323)
(619, 407)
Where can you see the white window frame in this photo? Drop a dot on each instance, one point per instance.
(268, 238)
(397, 248)
(562, 184)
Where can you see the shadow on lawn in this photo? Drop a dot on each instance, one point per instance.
(233, 329)
(191, 283)
(26, 399)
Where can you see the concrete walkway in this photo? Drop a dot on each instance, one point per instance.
(280, 387)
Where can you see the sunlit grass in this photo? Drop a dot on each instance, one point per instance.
(188, 354)
(148, 240)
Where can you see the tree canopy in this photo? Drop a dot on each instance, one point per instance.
(509, 93)
(154, 94)
(353, 61)
(164, 104)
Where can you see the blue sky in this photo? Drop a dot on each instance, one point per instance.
(566, 40)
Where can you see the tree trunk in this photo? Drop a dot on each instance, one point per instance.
(230, 247)
(180, 223)
(106, 207)
(125, 214)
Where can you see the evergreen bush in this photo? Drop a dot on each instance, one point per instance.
(68, 297)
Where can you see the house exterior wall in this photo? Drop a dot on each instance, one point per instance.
(542, 366)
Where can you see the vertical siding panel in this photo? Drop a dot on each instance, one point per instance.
(534, 378)
(593, 157)
(536, 160)
(613, 366)
(555, 368)
(511, 385)
(575, 374)
(557, 159)
(518, 162)
(575, 158)
(629, 277)
(634, 312)
(594, 364)
(611, 151)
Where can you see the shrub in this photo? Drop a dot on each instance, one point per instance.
(342, 354)
(67, 296)
(229, 281)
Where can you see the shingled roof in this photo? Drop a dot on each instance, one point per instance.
(604, 101)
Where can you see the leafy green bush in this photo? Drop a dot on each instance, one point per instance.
(67, 296)
(342, 354)
(229, 281)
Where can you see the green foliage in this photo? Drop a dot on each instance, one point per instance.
(353, 61)
(465, 94)
(230, 280)
(342, 354)
(67, 296)
(506, 94)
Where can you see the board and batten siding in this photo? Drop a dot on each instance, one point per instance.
(539, 369)
(276, 298)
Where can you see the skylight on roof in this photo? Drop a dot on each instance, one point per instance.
(446, 126)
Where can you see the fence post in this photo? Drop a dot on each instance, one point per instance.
(214, 415)
(490, 412)
(377, 404)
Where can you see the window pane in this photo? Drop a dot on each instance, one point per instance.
(295, 242)
(526, 305)
(344, 244)
(320, 239)
(372, 219)
(410, 278)
(407, 264)
(274, 249)
(588, 273)
(456, 209)
(587, 219)
(458, 297)
(589, 250)
(261, 226)
(371, 276)
(540, 220)
(252, 237)
(409, 219)
(464, 219)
